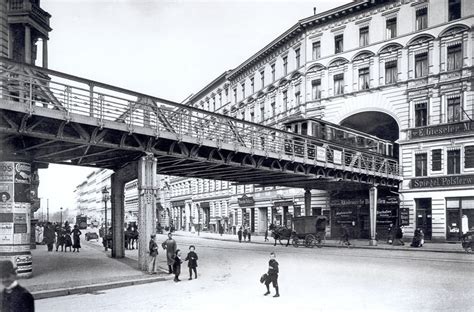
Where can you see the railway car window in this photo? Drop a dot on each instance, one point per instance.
(304, 128)
(296, 129)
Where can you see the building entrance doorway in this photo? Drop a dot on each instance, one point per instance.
(262, 220)
(423, 216)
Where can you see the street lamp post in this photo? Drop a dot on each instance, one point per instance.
(61, 215)
(105, 198)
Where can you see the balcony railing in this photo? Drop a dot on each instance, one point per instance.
(19, 7)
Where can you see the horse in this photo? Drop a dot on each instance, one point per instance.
(281, 233)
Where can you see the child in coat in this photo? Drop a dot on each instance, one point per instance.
(177, 265)
(192, 258)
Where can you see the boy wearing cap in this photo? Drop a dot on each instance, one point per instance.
(15, 298)
(192, 257)
(153, 249)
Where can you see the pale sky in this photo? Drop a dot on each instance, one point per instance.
(167, 49)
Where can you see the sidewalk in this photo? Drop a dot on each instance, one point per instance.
(356, 243)
(64, 273)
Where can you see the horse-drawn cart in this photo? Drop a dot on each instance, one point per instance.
(309, 230)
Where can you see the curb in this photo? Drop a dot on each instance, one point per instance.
(91, 288)
(461, 251)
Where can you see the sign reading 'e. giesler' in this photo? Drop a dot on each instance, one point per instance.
(458, 180)
(441, 130)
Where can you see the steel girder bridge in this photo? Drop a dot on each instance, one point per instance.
(52, 117)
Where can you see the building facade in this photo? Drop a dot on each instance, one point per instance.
(401, 70)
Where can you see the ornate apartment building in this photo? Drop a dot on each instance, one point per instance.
(401, 70)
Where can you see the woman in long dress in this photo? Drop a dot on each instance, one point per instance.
(76, 237)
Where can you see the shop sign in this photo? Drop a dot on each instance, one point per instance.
(442, 181)
(404, 216)
(320, 153)
(337, 159)
(282, 203)
(245, 201)
(441, 130)
(179, 203)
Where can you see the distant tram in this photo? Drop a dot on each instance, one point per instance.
(81, 222)
(335, 134)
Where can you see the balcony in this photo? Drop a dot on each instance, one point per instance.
(19, 11)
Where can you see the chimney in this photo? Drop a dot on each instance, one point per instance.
(314, 10)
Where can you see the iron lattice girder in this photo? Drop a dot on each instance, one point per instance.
(112, 148)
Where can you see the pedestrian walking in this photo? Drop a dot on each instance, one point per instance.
(14, 297)
(390, 234)
(76, 237)
(49, 236)
(153, 249)
(39, 234)
(239, 234)
(177, 265)
(170, 246)
(249, 235)
(60, 238)
(398, 237)
(272, 275)
(345, 236)
(245, 234)
(192, 258)
(266, 235)
(67, 241)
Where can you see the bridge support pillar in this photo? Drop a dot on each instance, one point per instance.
(307, 201)
(117, 181)
(147, 189)
(373, 215)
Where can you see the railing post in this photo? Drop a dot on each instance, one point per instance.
(31, 94)
(91, 100)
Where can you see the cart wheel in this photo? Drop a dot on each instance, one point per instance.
(295, 242)
(318, 242)
(309, 240)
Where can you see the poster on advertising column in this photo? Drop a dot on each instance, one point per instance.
(22, 182)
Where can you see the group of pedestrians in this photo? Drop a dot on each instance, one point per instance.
(246, 233)
(63, 236)
(173, 257)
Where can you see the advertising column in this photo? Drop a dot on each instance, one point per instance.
(15, 210)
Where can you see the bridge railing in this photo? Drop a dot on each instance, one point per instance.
(34, 86)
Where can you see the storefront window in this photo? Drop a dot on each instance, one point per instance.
(459, 217)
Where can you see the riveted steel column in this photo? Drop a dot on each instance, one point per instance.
(373, 215)
(117, 200)
(307, 202)
(147, 189)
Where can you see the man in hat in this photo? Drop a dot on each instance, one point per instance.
(171, 247)
(15, 298)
